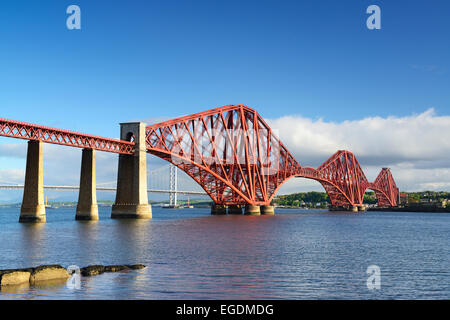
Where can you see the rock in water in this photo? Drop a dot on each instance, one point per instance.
(115, 268)
(9, 278)
(92, 270)
(48, 272)
(136, 266)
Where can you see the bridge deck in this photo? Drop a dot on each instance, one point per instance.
(28, 131)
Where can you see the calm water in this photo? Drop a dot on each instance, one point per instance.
(192, 255)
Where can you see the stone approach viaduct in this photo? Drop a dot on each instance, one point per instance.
(230, 152)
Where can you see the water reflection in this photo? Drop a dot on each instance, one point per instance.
(32, 243)
(134, 239)
(87, 237)
(15, 289)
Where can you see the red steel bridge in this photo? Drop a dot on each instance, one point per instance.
(232, 154)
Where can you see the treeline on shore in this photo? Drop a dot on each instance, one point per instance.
(427, 196)
(303, 199)
(320, 199)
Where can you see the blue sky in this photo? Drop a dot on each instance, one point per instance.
(150, 59)
(141, 59)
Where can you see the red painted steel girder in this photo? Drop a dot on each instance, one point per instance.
(233, 155)
(28, 131)
(343, 179)
(230, 151)
(385, 189)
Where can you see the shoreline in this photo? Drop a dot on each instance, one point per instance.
(411, 209)
(48, 273)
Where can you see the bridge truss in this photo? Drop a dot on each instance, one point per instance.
(29, 131)
(232, 153)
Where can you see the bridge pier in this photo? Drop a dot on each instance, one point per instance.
(131, 197)
(33, 207)
(87, 207)
(252, 210)
(267, 210)
(218, 209)
(235, 209)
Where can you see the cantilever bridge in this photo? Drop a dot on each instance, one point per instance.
(230, 152)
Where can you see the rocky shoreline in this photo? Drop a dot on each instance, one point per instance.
(45, 273)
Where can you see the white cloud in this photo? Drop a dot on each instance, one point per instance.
(16, 150)
(9, 176)
(154, 120)
(415, 147)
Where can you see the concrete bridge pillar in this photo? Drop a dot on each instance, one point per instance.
(218, 209)
(33, 207)
(252, 210)
(267, 210)
(87, 208)
(131, 197)
(235, 209)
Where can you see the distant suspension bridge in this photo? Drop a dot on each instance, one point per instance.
(157, 182)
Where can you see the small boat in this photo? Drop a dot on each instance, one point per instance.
(168, 206)
(48, 206)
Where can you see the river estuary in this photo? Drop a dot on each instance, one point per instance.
(296, 254)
